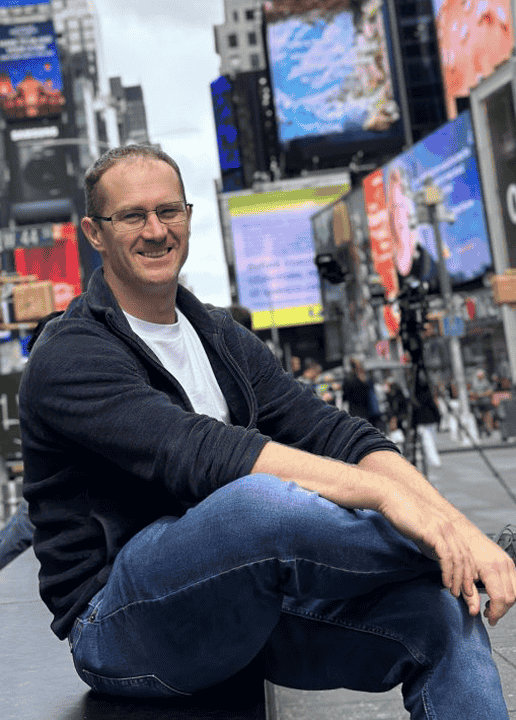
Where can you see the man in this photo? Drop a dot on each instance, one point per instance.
(197, 509)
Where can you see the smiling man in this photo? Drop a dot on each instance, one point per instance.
(197, 509)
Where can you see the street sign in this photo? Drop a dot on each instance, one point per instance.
(453, 325)
(28, 236)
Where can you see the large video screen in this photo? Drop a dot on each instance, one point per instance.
(474, 38)
(402, 240)
(31, 85)
(331, 70)
(274, 254)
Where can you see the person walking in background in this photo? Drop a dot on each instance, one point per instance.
(358, 390)
(397, 411)
(426, 418)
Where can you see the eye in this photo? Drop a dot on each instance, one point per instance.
(131, 217)
(170, 212)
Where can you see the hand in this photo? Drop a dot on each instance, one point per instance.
(497, 572)
(431, 523)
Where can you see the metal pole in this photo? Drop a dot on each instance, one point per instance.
(446, 292)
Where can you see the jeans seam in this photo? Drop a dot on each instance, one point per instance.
(227, 572)
(416, 654)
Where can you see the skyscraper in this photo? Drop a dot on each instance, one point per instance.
(238, 41)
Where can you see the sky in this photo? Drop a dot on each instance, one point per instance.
(168, 47)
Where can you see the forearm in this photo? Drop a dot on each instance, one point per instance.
(346, 485)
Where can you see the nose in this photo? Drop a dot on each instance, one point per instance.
(153, 228)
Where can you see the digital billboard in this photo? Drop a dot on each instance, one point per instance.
(474, 38)
(31, 85)
(17, 3)
(331, 70)
(402, 241)
(274, 254)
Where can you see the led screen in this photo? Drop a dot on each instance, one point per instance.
(474, 38)
(330, 67)
(31, 85)
(17, 3)
(274, 254)
(402, 239)
(225, 124)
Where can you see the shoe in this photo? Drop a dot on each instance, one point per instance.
(506, 539)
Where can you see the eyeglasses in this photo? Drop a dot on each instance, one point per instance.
(128, 220)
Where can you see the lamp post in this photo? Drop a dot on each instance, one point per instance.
(432, 198)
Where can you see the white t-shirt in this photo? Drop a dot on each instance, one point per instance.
(181, 352)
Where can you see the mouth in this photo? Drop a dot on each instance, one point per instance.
(155, 253)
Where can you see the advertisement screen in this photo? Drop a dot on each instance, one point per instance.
(31, 85)
(330, 67)
(17, 3)
(402, 238)
(274, 254)
(474, 38)
(225, 124)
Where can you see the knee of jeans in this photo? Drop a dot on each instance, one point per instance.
(262, 506)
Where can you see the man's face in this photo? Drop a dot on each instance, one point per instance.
(149, 258)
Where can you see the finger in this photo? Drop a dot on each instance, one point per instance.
(472, 600)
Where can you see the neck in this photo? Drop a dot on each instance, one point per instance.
(153, 304)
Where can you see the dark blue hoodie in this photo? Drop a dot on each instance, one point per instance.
(111, 441)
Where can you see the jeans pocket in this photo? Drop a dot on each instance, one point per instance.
(149, 686)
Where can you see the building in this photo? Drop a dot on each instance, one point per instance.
(131, 116)
(239, 41)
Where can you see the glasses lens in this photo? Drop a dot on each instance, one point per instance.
(173, 213)
(127, 220)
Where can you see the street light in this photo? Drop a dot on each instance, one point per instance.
(431, 197)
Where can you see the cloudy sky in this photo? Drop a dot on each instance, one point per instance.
(167, 47)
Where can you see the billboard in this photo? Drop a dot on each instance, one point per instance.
(402, 241)
(274, 254)
(331, 71)
(31, 85)
(59, 263)
(473, 38)
(17, 3)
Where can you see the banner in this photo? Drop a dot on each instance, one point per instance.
(31, 85)
(331, 70)
(274, 253)
(474, 39)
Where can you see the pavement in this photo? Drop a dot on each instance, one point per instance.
(32, 658)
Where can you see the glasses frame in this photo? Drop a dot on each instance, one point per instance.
(147, 212)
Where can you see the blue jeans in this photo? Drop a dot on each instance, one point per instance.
(321, 596)
(16, 535)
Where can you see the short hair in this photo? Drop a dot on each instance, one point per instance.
(113, 156)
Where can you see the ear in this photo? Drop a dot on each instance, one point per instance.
(92, 232)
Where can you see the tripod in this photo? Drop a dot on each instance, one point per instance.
(413, 308)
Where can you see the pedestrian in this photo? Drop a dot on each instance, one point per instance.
(197, 509)
(360, 394)
(396, 411)
(426, 418)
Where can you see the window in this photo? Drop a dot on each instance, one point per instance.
(249, 14)
(233, 40)
(235, 15)
(251, 38)
(255, 61)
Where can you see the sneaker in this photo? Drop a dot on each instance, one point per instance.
(506, 539)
